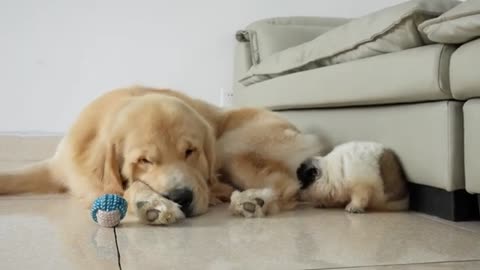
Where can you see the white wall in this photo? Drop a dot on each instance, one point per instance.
(56, 55)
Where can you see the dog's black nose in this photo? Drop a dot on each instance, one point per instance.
(182, 196)
(307, 173)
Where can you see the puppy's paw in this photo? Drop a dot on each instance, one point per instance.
(250, 203)
(319, 205)
(350, 208)
(156, 210)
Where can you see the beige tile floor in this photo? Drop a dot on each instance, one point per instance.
(55, 232)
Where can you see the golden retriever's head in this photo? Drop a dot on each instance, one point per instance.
(167, 145)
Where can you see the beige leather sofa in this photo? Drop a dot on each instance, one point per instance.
(422, 102)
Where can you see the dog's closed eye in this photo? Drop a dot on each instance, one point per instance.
(144, 161)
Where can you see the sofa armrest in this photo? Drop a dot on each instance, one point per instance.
(241, 63)
(266, 37)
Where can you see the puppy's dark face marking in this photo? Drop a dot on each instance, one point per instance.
(307, 173)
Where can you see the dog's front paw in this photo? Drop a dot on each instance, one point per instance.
(157, 210)
(250, 203)
(354, 209)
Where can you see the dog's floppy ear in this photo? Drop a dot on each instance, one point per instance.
(112, 180)
(219, 192)
(210, 154)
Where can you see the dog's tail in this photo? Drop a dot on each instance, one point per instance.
(397, 205)
(35, 178)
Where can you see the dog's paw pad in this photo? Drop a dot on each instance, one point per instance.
(152, 214)
(354, 209)
(247, 205)
(140, 204)
(158, 210)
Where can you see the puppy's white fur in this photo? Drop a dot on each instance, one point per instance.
(357, 176)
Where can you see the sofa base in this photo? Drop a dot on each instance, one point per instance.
(456, 205)
(478, 200)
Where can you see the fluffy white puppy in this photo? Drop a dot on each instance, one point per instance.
(357, 176)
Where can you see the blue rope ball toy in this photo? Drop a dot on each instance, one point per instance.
(109, 209)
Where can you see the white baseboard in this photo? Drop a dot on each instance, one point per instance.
(31, 133)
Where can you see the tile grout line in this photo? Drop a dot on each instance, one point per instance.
(448, 223)
(118, 248)
(398, 264)
(21, 160)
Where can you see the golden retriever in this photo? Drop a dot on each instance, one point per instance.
(172, 156)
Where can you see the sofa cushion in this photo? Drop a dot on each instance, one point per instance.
(415, 75)
(464, 75)
(457, 25)
(389, 30)
(273, 35)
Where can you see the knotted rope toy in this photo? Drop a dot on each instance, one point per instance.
(109, 209)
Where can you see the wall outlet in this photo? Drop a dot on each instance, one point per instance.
(226, 97)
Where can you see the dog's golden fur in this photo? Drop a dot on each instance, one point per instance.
(141, 143)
